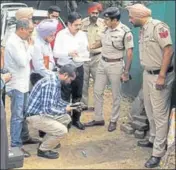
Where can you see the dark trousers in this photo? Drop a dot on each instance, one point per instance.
(73, 91)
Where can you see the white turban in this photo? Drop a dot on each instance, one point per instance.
(24, 13)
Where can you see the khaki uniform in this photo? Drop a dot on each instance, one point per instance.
(93, 32)
(154, 36)
(114, 43)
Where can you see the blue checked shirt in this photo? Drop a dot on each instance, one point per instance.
(45, 97)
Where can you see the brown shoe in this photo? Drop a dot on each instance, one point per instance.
(95, 123)
(112, 126)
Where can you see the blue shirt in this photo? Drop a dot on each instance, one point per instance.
(45, 97)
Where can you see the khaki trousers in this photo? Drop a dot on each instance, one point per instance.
(90, 67)
(108, 71)
(54, 126)
(157, 106)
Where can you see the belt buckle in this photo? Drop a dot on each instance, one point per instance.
(106, 59)
(152, 72)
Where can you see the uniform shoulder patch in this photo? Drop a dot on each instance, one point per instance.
(129, 38)
(163, 30)
(85, 21)
(125, 28)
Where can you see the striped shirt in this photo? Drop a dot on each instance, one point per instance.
(45, 97)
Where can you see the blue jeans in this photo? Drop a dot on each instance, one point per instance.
(18, 126)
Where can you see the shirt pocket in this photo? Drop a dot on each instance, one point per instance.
(117, 42)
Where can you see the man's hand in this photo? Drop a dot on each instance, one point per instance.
(30, 41)
(73, 54)
(68, 108)
(6, 77)
(160, 83)
(125, 77)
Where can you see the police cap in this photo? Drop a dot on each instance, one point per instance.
(111, 12)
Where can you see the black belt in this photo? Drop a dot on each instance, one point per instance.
(170, 69)
(93, 54)
(111, 60)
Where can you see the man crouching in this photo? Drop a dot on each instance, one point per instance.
(47, 111)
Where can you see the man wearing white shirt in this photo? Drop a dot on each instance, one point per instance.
(71, 47)
(17, 57)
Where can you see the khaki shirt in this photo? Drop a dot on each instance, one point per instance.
(116, 41)
(93, 32)
(154, 36)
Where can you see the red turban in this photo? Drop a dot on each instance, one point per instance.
(95, 6)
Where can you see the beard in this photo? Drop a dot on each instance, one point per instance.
(93, 18)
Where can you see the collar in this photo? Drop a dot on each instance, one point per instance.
(19, 38)
(116, 28)
(147, 23)
(41, 39)
(69, 33)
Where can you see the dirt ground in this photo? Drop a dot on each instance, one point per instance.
(94, 148)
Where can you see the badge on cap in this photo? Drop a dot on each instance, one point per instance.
(106, 15)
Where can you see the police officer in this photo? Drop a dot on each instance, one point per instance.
(116, 40)
(155, 48)
(93, 27)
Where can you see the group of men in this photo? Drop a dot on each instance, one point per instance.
(60, 61)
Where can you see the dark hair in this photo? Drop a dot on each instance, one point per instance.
(53, 8)
(70, 69)
(73, 16)
(22, 23)
(115, 17)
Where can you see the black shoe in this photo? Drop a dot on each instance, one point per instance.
(91, 109)
(84, 107)
(42, 134)
(48, 154)
(152, 162)
(25, 153)
(112, 126)
(31, 141)
(95, 123)
(145, 143)
(79, 125)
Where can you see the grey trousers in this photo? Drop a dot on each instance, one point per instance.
(4, 140)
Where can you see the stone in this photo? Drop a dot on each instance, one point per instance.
(139, 134)
(141, 118)
(127, 128)
(139, 125)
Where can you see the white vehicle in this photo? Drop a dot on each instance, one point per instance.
(12, 6)
(8, 19)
